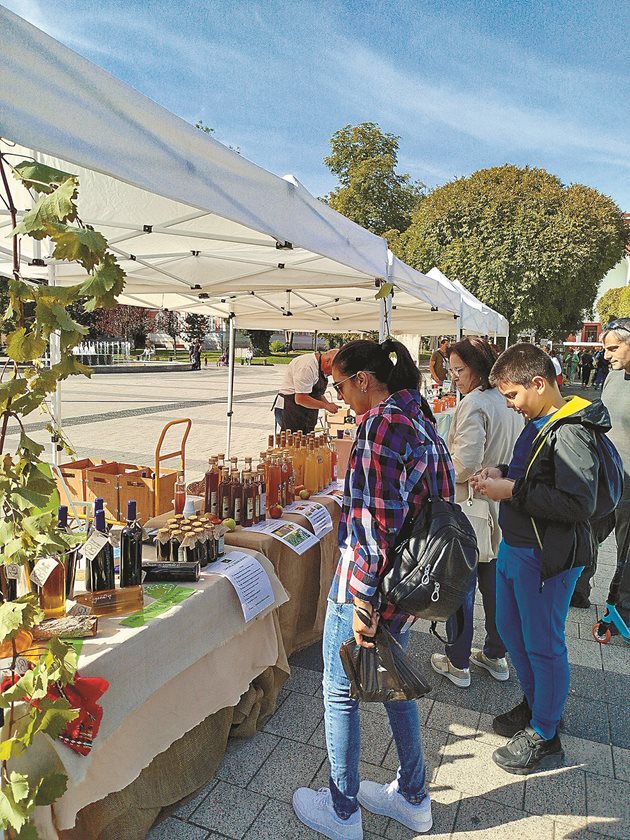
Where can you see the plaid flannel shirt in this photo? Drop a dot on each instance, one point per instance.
(398, 455)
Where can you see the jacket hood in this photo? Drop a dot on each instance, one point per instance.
(593, 415)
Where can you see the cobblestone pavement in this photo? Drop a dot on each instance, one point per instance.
(120, 417)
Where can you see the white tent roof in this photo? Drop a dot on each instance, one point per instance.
(189, 217)
(476, 316)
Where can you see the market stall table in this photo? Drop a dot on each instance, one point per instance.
(166, 715)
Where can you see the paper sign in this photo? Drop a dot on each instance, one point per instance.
(317, 515)
(76, 609)
(43, 570)
(334, 491)
(289, 533)
(94, 544)
(12, 571)
(249, 579)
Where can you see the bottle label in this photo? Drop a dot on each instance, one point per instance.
(237, 510)
(262, 504)
(225, 508)
(213, 502)
(250, 509)
(43, 570)
(94, 544)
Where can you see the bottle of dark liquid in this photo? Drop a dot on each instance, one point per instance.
(99, 571)
(248, 500)
(261, 493)
(163, 545)
(212, 487)
(131, 549)
(236, 496)
(225, 497)
(71, 556)
(180, 493)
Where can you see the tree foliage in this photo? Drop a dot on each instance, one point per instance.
(615, 303)
(520, 241)
(370, 191)
(129, 322)
(260, 341)
(28, 529)
(195, 326)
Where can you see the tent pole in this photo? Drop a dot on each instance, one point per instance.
(230, 393)
(55, 358)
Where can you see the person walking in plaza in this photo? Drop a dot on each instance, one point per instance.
(586, 364)
(572, 366)
(397, 457)
(437, 362)
(548, 494)
(602, 366)
(301, 395)
(483, 433)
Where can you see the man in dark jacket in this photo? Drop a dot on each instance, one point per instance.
(548, 494)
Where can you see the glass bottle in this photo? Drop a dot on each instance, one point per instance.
(261, 493)
(52, 594)
(180, 493)
(249, 497)
(131, 549)
(99, 572)
(211, 487)
(273, 485)
(163, 545)
(221, 466)
(71, 556)
(225, 489)
(311, 470)
(236, 496)
(175, 545)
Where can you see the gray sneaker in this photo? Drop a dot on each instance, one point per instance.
(498, 668)
(441, 664)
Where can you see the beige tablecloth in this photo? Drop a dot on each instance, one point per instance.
(305, 577)
(163, 684)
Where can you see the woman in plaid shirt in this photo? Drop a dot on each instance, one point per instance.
(398, 460)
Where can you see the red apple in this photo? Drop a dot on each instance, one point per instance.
(275, 511)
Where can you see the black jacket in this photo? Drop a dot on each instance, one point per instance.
(559, 490)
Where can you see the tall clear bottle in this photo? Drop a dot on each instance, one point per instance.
(180, 492)
(99, 571)
(131, 549)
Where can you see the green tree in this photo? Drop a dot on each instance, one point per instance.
(520, 241)
(615, 303)
(195, 326)
(370, 191)
(260, 341)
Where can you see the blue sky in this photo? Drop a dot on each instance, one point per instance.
(465, 83)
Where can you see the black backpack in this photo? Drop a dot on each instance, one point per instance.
(609, 487)
(432, 563)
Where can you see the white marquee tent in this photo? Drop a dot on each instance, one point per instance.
(195, 225)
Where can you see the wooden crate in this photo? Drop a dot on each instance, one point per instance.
(74, 474)
(141, 488)
(105, 481)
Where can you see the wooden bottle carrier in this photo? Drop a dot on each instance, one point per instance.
(116, 483)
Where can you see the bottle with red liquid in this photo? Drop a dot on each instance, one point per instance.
(248, 501)
(273, 484)
(236, 496)
(261, 493)
(211, 493)
(225, 497)
(180, 493)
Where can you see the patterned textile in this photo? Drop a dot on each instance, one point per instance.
(397, 461)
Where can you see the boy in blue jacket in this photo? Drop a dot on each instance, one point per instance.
(548, 494)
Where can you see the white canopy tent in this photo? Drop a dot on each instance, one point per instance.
(476, 317)
(196, 226)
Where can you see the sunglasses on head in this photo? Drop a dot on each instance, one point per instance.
(618, 324)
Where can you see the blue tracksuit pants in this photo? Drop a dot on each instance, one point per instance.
(531, 623)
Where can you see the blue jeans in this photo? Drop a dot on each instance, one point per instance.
(531, 622)
(459, 651)
(342, 724)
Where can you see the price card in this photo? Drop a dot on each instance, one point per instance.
(12, 571)
(94, 544)
(317, 515)
(43, 570)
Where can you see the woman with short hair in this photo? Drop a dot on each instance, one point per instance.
(398, 462)
(482, 434)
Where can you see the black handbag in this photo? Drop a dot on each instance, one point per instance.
(381, 673)
(431, 565)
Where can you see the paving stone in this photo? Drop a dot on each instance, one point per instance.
(297, 718)
(318, 738)
(608, 804)
(174, 829)
(188, 805)
(480, 819)
(473, 697)
(560, 794)
(584, 616)
(487, 733)
(590, 756)
(586, 718)
(453, 719)
(501, 696)
(303, 680)
(309, 658)
(376, 736)
(424, 707)
(467, 766)
(444, 806)
(584, 652)
(620, 725)
(433, 743)
(229, 810)
(616, 659)
(245, 756)
(289, 766)
(278, 820)
(621, 760)
(609, 687)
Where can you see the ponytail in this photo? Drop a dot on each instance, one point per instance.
(404, 374)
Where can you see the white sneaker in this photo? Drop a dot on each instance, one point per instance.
(315, 809)
(386, 800)
(499, 668)
(441, 664)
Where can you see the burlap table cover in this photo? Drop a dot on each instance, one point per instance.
(305, 577)
(163, 684)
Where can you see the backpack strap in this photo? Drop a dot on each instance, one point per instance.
(459, 615)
